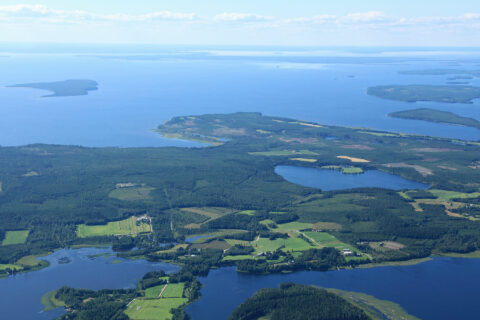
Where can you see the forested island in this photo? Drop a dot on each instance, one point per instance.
(432, 115)
(293, 301)
(229, 200)
(457, 73)
(62, 88)
(435, 93)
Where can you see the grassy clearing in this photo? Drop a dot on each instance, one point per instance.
(174, 290)
(386, 245)
(154, 309)
(304, 160)
(327, 226)
(15, 237)
(217, 245)
(178, 246)
(375, 308)
(293, 226)
(445, 195)
(282, 153)
(132, 193)
(233, 242)
(352, 159)
(11, 267)
(266, 245)
(345, 170)
(238, 258)
(247, 212)
(50, 302)
(297, 244)
(325, 239)
(210, 212)
(154, 292)
(124, 227)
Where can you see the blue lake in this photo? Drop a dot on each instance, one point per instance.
(445, 288)
(135, 96)
(193, 239)
(89, 268)
(328, 180)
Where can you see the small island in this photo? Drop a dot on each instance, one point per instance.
(415, 93)
(65, 88)
(437, 116)
(461, 74)
(294, 301)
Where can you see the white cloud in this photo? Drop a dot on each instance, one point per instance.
(366, 17)
(31, 14)
(26, 12)
(318, 19)
(241, 17)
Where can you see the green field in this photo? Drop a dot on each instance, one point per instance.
(293, 226)
(15, 237)
(153, 309)
(278, 153)
(124, 227)
(266, 245)
(325, 239)
(153, 292)
(174, 290)
(238, 258)
(297, 244)
(132, 193)
(449, 195)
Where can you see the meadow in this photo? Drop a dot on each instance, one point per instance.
(153, 309)
(128, 226)
(15, 237)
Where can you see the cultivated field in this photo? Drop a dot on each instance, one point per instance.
(325, 239)
(173, 290)
(124, 227)
(15, 237)
(153, 309)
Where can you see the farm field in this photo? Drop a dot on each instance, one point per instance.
(266, 245)
(124, 227)
(15, 237)
(325, 239)
(210, 213)
(297, 244)
(153, 292)
(292, 226)
(284, 153)
(153, 309)
(131, 193)
(174, 290)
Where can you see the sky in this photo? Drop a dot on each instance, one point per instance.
(243, 22)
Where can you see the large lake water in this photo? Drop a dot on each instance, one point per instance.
(444, 288)
(89, 268)
(136, 95)
(328, 180)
